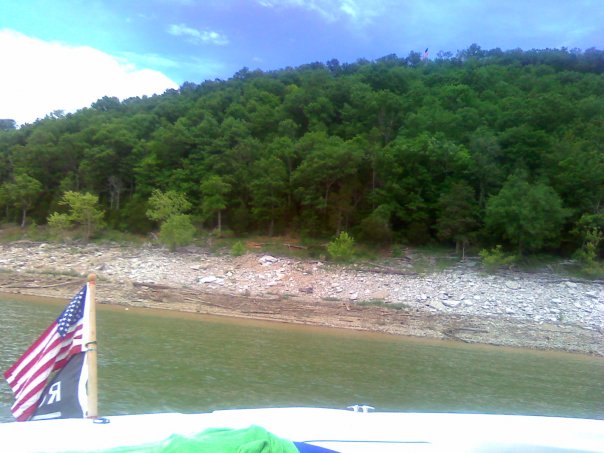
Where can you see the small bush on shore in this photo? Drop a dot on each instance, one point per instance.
(177, 231)
(238, 249)
(588, 254)
(496, 257)
(341, 248)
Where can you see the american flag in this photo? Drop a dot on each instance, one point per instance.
(61, 340)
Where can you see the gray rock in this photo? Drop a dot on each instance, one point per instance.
(267, 260)
(512, 285)
(380, 295)
(436, 304)
(451, 303)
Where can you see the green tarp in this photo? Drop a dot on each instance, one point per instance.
(254, 439)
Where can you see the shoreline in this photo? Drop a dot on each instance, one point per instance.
(472, 307)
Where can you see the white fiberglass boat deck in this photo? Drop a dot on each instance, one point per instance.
(339, 430)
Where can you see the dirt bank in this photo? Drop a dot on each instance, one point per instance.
(540, 311)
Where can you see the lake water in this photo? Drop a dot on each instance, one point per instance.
(154, 361)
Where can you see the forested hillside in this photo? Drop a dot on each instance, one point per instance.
(487, 147)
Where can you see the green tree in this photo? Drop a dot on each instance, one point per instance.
(162, 205)
(414, 173)
(587, 229)
(268, 190)
(376, 226)
(214, 191)
(24, 193)
(342, 247)
(168, 208)
(529, 216)
(458, 215)
(83, 210)
(6, 199)
(324, 179)
(177, 230)
(486, 173)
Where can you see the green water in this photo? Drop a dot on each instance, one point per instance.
(153, 361)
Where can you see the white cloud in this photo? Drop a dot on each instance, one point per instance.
(150, 59)
(198, 36)
(39, 77)
(358, 12)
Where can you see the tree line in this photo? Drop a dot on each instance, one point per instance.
(480, 147)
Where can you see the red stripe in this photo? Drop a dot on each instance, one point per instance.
(52, 357)
(43, 370)
(33, 394)
(46, 362)
(31, 359)
(30, 355)
(31, 398)
(37, 343)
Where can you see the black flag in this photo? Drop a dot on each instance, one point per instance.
(65, 395)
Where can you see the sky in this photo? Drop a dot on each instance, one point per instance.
(66, 54)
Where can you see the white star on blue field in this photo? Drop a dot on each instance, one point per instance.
(65, 54)
(72, 313)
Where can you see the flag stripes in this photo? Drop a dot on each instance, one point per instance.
(29, 375)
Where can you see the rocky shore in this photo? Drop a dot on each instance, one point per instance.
(511, 308)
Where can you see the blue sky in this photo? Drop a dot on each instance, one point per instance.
(64, 54)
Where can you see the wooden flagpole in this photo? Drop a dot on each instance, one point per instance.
(91, 353)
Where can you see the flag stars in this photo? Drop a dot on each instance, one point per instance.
(73, 313)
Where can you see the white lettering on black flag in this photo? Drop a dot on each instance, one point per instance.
(64, 396)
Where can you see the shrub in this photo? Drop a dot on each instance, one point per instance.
(496, 257)
(84, 211)
(341, 248)
(177, 231)
(238, 249)
(588, 253)
(59, 223)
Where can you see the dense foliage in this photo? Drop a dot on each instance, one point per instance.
(482, 146)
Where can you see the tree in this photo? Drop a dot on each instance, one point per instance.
(342, 247)
(162, 205)
(214, 191)
(527, 215)
(83, 210)
(268, 190)
(414, 173)
(116, 187)
(484, 165)
(6, 199)
(24, 193)
(330, 165)
(168, 208)
(176, 231)
(458, 215)
(376, 226)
